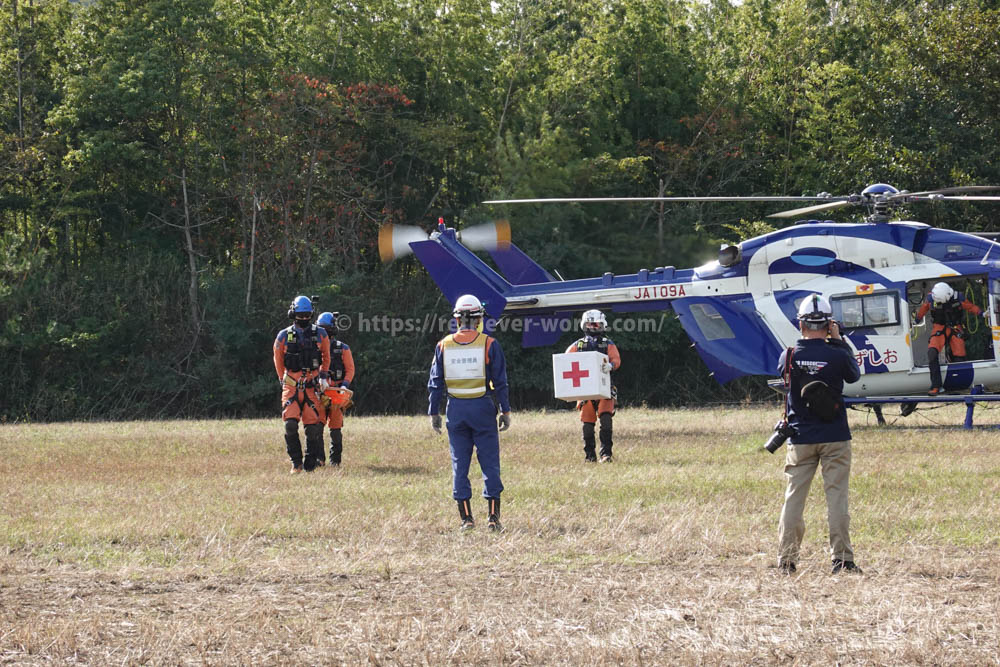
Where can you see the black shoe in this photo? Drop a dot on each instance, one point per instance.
(591, 458)
(846, 566)
(495, 524)
(465, 514)
(907, 409)
(606, 458)
(787, 567)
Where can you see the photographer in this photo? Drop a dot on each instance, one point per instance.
(815, 371)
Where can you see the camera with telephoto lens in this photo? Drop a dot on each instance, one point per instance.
(782, 431)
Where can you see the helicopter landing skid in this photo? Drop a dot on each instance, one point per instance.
(976, 395)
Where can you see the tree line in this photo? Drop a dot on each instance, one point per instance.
(174, 172)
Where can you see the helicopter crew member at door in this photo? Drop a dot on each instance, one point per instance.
(594, 326)
(470, 367)
(947, 308)
(815, 371)
(341, 375)
(302, 361)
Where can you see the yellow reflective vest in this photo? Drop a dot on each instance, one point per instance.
(465, 366)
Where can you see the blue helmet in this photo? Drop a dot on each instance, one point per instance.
(326, 320)
(301, 310)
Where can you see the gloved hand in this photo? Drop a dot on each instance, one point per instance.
(324, 375)
(323, 384)
(606, 367)
(986, 315)
(436, 423)
(345, 384)
(504, 421)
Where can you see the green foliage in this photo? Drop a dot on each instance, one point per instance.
(173, 172)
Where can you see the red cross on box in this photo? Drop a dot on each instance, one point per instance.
(575, 374)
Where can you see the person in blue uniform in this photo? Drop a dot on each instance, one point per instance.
(469, 367)
(815, 371)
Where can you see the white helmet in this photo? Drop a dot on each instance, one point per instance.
(593, 321)
(815, 311)
(942, 293)
(468, 307)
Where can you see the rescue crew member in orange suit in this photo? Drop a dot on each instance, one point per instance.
(947, 308)
(594, 325)
(470, 367)
(302, 361)
(341, 375)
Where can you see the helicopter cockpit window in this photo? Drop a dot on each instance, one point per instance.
(869, 310)
(711, 323)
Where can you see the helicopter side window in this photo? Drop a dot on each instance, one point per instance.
(849, 312)
(877, 311)
(869, 310)
(711, 323)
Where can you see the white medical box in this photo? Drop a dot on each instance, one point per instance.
(577, 376)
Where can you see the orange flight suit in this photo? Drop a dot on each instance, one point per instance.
(587, 412)
(299, 397)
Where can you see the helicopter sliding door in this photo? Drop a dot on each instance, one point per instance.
(980, 342)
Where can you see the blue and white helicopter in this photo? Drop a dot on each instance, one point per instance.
(740, 310)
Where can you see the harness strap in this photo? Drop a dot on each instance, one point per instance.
(305, 400)
(789, 353)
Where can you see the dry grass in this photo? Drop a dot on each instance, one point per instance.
(188, 542)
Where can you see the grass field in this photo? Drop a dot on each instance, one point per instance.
(189, 542)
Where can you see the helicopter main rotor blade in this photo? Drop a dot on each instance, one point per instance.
(594, 200)
(948, 191)
(959, 198)
(810, 209)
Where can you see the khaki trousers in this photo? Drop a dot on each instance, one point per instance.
(800, 466)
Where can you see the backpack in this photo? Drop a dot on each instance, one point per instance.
(821, 401)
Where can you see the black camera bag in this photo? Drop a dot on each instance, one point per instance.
(821, 400)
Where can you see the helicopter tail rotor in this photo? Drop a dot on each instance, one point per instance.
(488, 236)
(394, 240)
